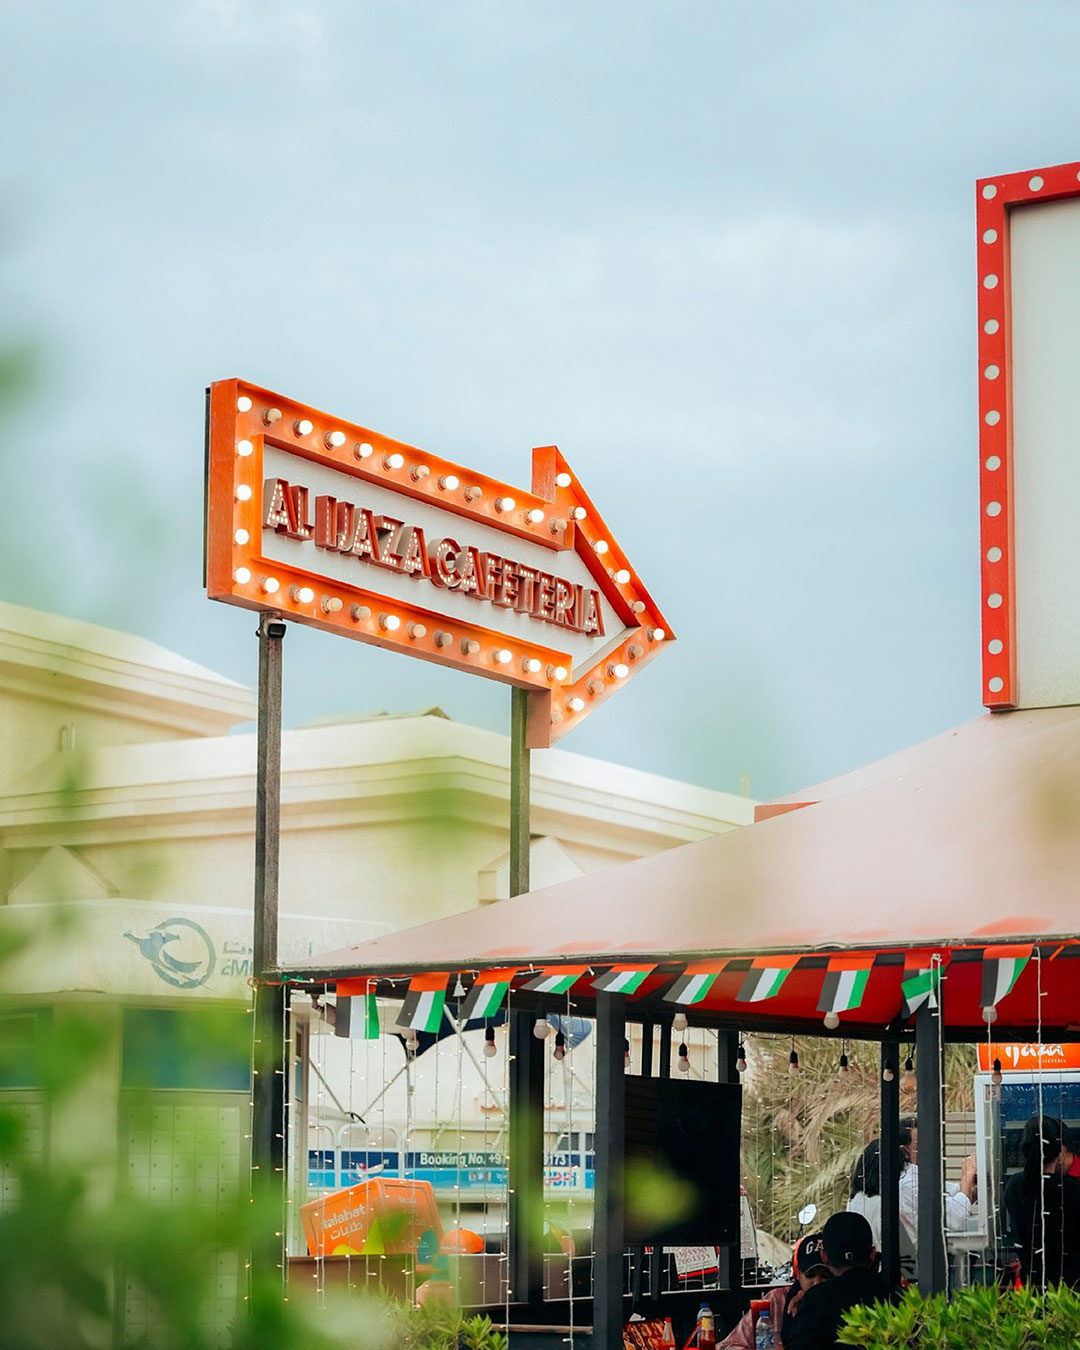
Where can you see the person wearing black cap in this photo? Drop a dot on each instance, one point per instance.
(852, 1259)
(809, 1268)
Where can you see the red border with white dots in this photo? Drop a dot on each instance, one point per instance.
(557, 514)
(994, 199)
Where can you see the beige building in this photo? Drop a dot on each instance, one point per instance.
(127, 789)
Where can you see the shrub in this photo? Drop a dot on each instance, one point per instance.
(980, 1317)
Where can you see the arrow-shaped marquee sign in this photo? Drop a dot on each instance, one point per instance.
(339, 527)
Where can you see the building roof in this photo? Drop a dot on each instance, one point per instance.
(75, 662)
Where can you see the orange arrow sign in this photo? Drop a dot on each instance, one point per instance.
(339, 527)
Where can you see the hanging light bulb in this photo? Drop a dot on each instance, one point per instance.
(489, 1041)
(678, 1022)
(560, 1045)
(908, 1081)
(793, 1062)
(412, 1042)
(626, 1053)
(989, 1014)
(683, 1065)
(843, 1070)
(541, 1028)
(832, 1020)
(888, 1073)
(995, 1077)
(740, 1060)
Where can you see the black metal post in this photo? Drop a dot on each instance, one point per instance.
(525, 1228)
(659, 1259)
(729, 1254)
(890, 1163)
(648, 1036)
(608, 1225)
(932, 1270)
(268, 1070)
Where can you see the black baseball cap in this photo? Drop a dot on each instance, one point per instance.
(809, 1254)
(848, 1239)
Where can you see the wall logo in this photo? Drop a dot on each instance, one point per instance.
(179, 950)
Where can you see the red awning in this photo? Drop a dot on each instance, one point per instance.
(969, 839)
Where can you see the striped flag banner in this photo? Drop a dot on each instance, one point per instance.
(845, 983)
(1001, 969)
(764, 978)
(556, 979)
(423, 1006)
(485, 997)
(920, 985)
(358, 1009)
(622, 979)
(694, 983)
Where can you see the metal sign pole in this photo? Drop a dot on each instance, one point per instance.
(268, 1081)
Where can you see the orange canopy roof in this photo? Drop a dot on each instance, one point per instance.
(969, 839)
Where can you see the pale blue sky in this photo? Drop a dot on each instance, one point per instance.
(722, 255)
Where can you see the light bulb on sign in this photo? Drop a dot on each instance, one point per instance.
(502, 656)
(601, 546)
(243, 403)
(334, 440)
(394, 461)
(302, 427)
(241, 536)
(531, 665)
(389, 623)
(576, 704)
(331, 604)
(242, 575)
(563, 480)
(535, 516)
(622, 576)
(271, 585)
(302, 594)
(244, 448)
(504, 504)
(578, 513)
(362, 450)
(243, 492)
(272, 415)
(618, 671)
(449, 482)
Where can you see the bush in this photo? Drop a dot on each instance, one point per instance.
(978, 1318)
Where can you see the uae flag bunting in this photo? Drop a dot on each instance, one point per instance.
(918, 987)
(556, 979)
(1001, 969)
(622, 979)
(485, 998)
(764, 978)
(423, 1006)
(692, 985)
(844, 985)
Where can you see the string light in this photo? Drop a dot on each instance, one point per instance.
(995, 1077)
(740, 1061)
(490, 1048)
(843, 1070)
(683, 1065)
(990, 1014)
(541, 1028)
(908, 1081)
(793, 1062)
(560, 1046)
(888, 1073)
(679, 1022)
(832, 1020)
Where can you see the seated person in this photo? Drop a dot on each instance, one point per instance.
(808, 1264)
(852, 1258)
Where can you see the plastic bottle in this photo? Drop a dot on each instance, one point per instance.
(765, 1337)
(669, 1335)
(706, 1328)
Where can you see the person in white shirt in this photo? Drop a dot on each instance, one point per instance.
(959, 1198)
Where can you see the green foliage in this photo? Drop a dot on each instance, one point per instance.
(439, 1326)
(980, 1317)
